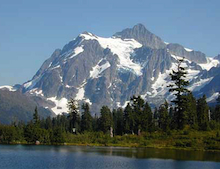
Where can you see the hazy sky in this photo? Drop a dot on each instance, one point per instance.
(31, 30)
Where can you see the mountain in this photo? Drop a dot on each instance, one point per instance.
(108, 71)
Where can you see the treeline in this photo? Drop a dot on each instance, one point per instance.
(136, 118)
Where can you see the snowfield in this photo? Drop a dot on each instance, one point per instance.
(210, 63)
(98, 69)
(61, 105)
(122, 48)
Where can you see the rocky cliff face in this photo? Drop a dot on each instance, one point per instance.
(108, 71)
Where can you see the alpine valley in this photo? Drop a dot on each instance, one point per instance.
(108, 71)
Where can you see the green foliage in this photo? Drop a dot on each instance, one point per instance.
(33, 133)
(135, 125)
(86, 122)
(203, 113)
(105, 121)
(179, 90)
(216, 114)
(129, 120)
(74, 118)
(164, 120)
(57, 135)
(118, 121)
(10, 134)
(189, 111)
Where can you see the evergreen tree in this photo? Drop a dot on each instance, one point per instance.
(86, 122)
(48, 123)
(155, 118)
(95, 125)
(190, 111)
(147, 118)
(36, 118)
(74, 118)
(129, 120)
(179, 90)
(105, 121)
(172, 117)
(118, 121)
(164, 122)
(217, 110)
(203, 113)
(138, 107)
(57, 135)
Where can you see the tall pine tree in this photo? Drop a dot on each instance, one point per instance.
(203, 113)
(86, 120)
(179, 90)
(138, 107)
(74, 118)
(163, 113)
(129, 120)
(105, 121)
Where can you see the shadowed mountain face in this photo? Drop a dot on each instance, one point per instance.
(15, 107)
(108, 71)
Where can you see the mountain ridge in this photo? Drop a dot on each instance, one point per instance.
(108, 71)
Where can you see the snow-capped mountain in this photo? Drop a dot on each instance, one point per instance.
(108, 71)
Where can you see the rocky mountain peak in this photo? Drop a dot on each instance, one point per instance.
(142, 35)
(140, 28)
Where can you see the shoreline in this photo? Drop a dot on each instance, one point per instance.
(115, 146)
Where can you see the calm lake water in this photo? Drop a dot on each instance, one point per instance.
(58, 157)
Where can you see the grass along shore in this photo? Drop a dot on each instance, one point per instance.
(185, 139)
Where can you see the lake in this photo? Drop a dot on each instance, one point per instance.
(62, 157)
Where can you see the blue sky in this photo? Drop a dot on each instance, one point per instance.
(31, 30)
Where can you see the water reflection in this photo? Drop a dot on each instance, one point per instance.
(143, 153)
(139, 153)
(53, 157)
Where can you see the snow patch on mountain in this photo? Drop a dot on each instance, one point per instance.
(213, 97)
(160, 85)
(67, 86)
(80, 96)
(55, 67)
(191, 73)
(98, 69)
(30, 84)
(200, 84)
(76, 51)
(144, 96)
(180, 58)
(61, 105)
(36, 91)
(210, 63)
(188, 50)
(81, 91)
(6, 87)
(122, 48)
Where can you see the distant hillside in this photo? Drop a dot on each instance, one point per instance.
(15, 106)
